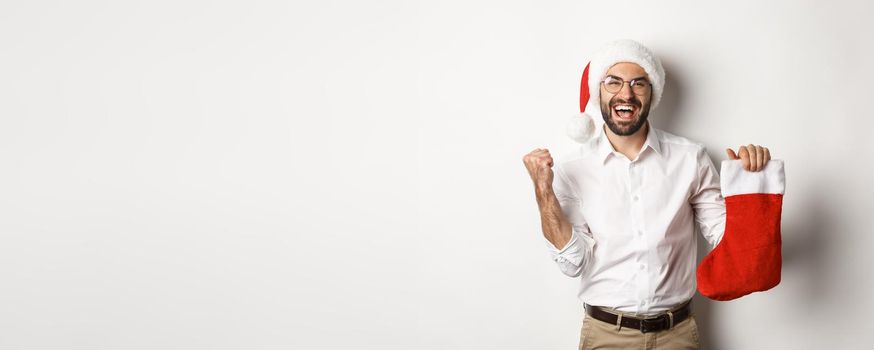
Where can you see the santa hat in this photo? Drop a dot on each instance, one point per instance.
(583, 126)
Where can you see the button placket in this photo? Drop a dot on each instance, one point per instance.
(633, 173)
(633, 182)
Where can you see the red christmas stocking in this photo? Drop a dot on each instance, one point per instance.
(748, 258)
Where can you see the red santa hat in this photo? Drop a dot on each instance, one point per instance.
(583, 127)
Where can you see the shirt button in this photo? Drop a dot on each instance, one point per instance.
(635, 198)
(642, 266)
(640, 232)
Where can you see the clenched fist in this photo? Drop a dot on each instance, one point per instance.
(539, 165)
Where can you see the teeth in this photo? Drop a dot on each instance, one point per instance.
(623, 108)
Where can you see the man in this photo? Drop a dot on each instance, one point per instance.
(620, 213)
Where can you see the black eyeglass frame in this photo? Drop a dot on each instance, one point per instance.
(632, 83)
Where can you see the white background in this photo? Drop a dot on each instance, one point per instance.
(348, 174)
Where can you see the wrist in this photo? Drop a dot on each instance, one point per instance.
(543, 189)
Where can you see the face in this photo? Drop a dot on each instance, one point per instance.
(625, 112)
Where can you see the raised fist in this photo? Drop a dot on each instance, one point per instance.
(539, 165)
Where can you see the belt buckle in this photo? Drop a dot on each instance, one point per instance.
(654, 322)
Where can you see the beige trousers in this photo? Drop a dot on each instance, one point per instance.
(602, 335)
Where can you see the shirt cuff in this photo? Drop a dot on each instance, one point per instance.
(575, 251)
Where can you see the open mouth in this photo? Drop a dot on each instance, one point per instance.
(625, 112)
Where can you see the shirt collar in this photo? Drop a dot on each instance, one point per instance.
(605, 149)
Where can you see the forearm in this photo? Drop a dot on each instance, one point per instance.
(556, 227)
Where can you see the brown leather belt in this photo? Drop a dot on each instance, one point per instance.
(661, 322)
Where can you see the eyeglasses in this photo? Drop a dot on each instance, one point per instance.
(614, 84)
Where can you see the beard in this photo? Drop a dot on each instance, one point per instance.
(624, 128)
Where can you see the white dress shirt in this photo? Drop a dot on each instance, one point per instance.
(633, 244)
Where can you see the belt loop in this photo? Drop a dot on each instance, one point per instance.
(619, 322)
(671, 318)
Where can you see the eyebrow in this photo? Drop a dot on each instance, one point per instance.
(638, 78)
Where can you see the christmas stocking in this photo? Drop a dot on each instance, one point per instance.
(747, 259)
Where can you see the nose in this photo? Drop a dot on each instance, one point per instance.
(625, 92)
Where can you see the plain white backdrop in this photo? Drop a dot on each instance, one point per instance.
(347, 174)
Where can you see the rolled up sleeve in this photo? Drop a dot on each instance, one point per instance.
(577, 253)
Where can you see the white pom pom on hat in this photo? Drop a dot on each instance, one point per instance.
(583, 127)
